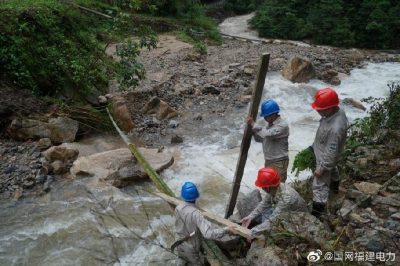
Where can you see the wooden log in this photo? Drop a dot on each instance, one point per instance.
(239, 230)
(246, 140)
(87, 9)
(213, 253)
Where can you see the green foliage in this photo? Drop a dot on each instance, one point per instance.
(281, 19)
(200, 47)
(365, 23)
(384, 114)
(304, 160)
(130, 70)
(53, 48)
(242, 6)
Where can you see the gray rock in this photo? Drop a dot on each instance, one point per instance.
(369, 188)
(210, 89)
(28, 184)
(175, 139)
(386, 201)
(173, 124)
(43, 144)
(395, 216)
(298, 70)
(268, 256)
(61, 153)
(41, 179)
(375, 246)
(353, 194)
(119, 167)
(247, 203)
(102, 99)
(304, 226)
(60, 129)
(59, 167)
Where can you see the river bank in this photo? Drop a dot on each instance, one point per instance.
(208, 92)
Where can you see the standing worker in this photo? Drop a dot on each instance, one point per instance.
(190, 225)
(327, 146)
(274, 137)
(279, 198)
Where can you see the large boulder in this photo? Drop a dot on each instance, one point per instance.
(298, 70)
(301, 226)
(160, 108)
(119, 167)
(60, 153)
(121, 114)
(60, 159)
(58, 130)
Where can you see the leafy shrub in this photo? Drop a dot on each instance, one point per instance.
(53, 48)
(200, 47)
(242, 6)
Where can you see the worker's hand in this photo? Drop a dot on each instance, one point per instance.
(246, 221)
(318, 172)
(250, 121)
(249, 239)
(231, 230)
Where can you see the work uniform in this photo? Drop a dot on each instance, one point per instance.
(189, 219)
(286, 199)
(328, 144)
(274, 140)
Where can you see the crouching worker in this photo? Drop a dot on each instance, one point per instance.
(190, 225)
(279, 198)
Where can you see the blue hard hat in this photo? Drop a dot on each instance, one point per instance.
(189, 192)
(269, 107)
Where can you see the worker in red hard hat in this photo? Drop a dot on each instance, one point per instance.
(327, 146)
(279, 198)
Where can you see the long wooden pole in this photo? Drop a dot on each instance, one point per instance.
(246, 140)
(214, 254)
(238, 229)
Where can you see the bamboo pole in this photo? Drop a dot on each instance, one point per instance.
(214, 254)
(246, 140)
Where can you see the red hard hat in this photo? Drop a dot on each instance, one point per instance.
(267, 177)
(324, 99)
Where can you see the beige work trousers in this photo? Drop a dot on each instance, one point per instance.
(280, 166)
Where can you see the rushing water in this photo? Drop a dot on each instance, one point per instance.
(79, 223)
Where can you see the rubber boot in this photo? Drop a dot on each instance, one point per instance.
(335, 187)
(318, 208)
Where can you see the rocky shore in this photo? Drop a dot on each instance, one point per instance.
(185, 90)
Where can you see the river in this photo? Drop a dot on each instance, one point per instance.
(77, 223)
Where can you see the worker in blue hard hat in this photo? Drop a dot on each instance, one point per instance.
(190, 225)
(274, 137)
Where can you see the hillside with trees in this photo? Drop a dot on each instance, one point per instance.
(364, 24)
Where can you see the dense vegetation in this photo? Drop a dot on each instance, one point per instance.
(56, 48)
(362, 23)
(242, 6)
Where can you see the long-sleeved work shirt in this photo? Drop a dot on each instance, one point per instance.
(189, 219)
(274, 139)
(329, 140)
(286, 199)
